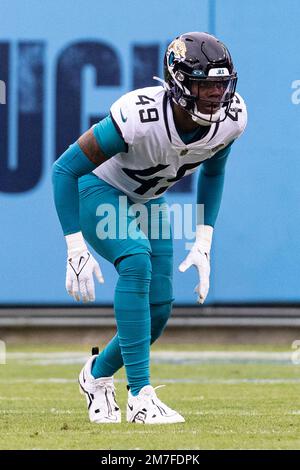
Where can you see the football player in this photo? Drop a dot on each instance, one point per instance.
(151, 139)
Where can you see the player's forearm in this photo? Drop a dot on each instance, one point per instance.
(72, 164)
(210, 185)
(209, 193)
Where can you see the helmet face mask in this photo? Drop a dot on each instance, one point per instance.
(200, 76)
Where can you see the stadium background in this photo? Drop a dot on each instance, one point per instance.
(232, 365)
(65, 63)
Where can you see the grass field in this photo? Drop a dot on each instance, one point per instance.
(232, 400)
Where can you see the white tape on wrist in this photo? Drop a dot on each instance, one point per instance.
(204, 235)
(75, 243)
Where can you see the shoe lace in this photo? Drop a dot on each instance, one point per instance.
(108, 395)
(99, 386)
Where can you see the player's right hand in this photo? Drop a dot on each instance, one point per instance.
(81, 268)
(80, 276)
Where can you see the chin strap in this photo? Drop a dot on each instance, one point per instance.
(200, 121)
(207, 119)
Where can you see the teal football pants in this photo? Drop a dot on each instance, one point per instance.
(143, 260)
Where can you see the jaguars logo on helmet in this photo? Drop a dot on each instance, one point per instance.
(178, 48)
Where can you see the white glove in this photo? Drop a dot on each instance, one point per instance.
(81, 266)
(199, 256)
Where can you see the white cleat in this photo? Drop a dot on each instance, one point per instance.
(146, 408)
(100, 396)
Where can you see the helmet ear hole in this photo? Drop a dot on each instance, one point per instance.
(179, 76)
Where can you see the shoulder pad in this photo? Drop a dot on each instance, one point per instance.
(238, 115)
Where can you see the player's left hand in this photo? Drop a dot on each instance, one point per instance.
(199, 256)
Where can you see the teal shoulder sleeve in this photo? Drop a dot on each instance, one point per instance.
(109, 138)
(216, 164)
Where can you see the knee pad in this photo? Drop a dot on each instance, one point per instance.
(135, 272)
(161, 294)
(161, 288)
(159, 317)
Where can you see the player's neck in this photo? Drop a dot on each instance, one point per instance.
(183, 120)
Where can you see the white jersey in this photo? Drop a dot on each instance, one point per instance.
(157, 157)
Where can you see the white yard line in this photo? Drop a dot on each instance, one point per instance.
(204, 381)
(37, 358)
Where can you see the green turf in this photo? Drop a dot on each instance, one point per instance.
(219, 415)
